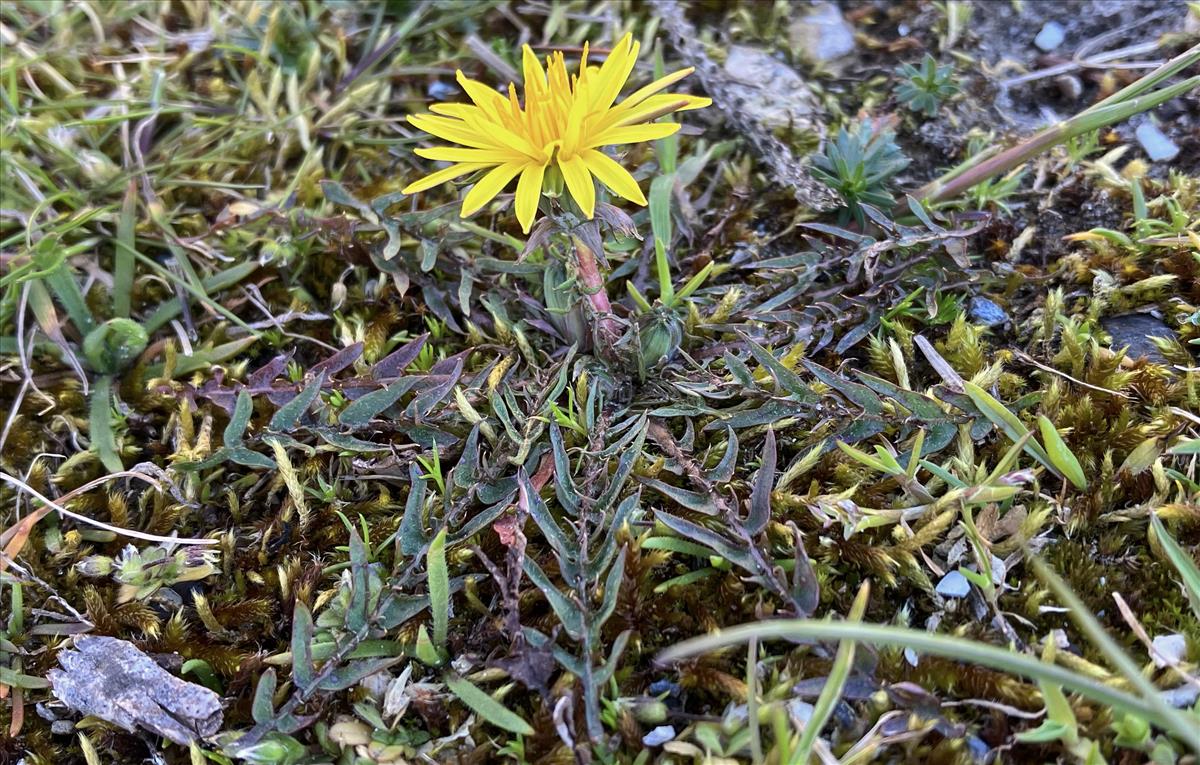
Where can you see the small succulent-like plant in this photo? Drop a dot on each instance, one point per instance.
(925, 86)
(859, 164)
(142, 573)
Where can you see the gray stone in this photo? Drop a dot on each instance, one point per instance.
(983, 311)
(821, 34)
(1155, 142)
(773, 94)
(659, 736)
(1135, 330)
(442, 91)
(114, 680)
(953, 585)
(1051, 36)
(1169, 649)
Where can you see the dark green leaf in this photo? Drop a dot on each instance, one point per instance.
(263, 707)
(412, 523)
(355, 672)
(239, 420)
(723, 472)
(567, 611)
(720, 546)
(466, 472)
(250, 458)
(784, 377)
(612, 587)
(360, 591)
(696, 501)
(100, 429)
(302, 637)
(564, 546)
(289, 414)
(363, 410)
(859, 394)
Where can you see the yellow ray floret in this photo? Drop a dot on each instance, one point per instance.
(564, 122)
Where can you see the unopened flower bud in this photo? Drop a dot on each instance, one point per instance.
(95, 565)
(650, 712)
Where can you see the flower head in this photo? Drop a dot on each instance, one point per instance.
(561, 127)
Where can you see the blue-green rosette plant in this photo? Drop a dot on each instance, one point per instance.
(859, 164)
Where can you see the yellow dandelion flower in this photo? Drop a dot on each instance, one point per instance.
(564, 123)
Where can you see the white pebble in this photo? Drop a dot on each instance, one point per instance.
(1156, 143)
(1051, 36)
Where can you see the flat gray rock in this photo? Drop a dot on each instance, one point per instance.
(774, 94)
(1134, 330)
(1157, 145)
(113, 680)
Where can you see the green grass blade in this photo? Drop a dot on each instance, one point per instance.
(100, 425)
(66, 289)
(959, 649)
(1161, 714)
(1060, 454)
(194, 291)
(215, 283)
(1184, 60)
(439, 589)
(1182, 562)
(834, 684)
(1008, 422)
(125, 254)
(487, 707)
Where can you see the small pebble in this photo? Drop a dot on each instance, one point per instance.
(954, 585)
(1051, 36)
(1171, 648)
(441, 91)
(978, 748)
(822, 34)
(1158, 146)
(983, 311)
(659, 736)
(999, 571)
(1133, 332)
(661, 686)
(799, 711)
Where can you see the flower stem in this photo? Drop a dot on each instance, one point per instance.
(591, 282)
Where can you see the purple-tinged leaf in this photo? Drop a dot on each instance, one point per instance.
(338, 361)
(394, 364)
(760, 497)
(269, 371)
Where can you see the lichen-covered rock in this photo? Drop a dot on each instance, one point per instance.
(773, 94)
(113, 680)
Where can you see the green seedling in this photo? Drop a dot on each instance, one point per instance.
(926, 86)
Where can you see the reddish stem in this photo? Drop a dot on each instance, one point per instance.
(592, 283)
